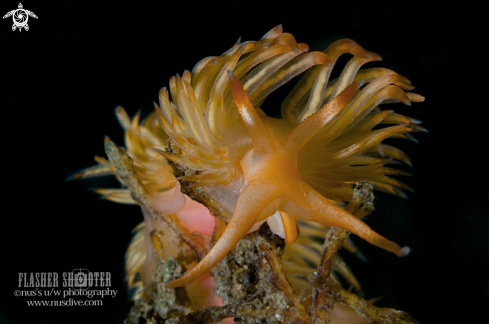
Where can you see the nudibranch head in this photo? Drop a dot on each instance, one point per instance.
(259, 168)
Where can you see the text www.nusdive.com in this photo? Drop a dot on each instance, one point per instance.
(68, 302)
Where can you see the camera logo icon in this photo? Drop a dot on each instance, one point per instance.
(80, 278)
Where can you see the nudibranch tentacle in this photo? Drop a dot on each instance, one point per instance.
(255, 197)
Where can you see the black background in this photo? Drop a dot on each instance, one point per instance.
(61, 80)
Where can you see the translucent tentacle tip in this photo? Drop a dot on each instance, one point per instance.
(404, 251)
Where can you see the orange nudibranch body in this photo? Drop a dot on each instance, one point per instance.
(300, 166)
(259, 168)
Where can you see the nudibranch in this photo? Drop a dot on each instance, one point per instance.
(260, 168)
